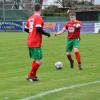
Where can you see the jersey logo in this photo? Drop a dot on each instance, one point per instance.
(71, 29)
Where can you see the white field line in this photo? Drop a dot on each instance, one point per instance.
(59, 90)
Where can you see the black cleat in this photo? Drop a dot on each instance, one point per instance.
(80, 66)
(32, 79)
(35, 79)
(29, 79)
(72, 64)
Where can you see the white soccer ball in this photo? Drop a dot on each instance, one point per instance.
(58, 65)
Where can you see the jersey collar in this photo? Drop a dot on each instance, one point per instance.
(37, 14)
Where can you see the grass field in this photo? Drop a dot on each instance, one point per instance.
(15, 63)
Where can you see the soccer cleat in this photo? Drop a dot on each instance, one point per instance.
(32, 79)
(80, 66)
(35, 79)
(72, 64)
(29, 79)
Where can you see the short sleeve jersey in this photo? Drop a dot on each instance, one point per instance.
(34, 37)
(73, 32)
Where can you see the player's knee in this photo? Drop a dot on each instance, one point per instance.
(76, 50)
(68, 53)
(39, 62)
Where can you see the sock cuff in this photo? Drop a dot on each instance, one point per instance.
(37, 63)
(77, 52)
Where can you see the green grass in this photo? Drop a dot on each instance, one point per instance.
(15, 64)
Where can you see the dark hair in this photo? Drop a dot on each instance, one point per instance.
(37, 7)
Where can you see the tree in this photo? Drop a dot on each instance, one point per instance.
(30, 3)
(66, 3)
(74, 3)
(16, 4)
(39, 1)
(49, 11)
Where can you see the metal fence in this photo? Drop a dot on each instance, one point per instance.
(22, 9)
(16, 9)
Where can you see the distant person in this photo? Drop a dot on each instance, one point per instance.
(34, 27)
(73, 41)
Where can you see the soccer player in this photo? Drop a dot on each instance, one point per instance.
(34, 28)
(73, 27)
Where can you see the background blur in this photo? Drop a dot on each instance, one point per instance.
(21, 9)
(14, 13)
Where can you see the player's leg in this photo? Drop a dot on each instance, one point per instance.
(36, 54)
(69, 56)
(35, 66)
(69, 48)
(77, 52)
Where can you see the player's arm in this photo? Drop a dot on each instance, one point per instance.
(41, 31)
(60, 32)
(63, 30)
(26, 29)
(39, 27)
(78, 25)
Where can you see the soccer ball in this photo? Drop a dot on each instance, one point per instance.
(58, 65)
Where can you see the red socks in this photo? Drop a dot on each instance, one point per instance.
(78, 58)
(34, 69)
(69, 58)
(77, 54)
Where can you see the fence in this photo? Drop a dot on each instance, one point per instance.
(15, 9)
(22, 9)
(87, 27)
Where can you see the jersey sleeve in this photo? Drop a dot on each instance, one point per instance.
(65, 26)
(39, 22)
(27, 25)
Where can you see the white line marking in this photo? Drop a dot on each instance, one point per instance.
(59, 89)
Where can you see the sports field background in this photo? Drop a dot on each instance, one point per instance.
(15, 63)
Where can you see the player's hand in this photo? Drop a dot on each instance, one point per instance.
(55, 34)
(49, 35)
(77, 25)
(74, 25)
